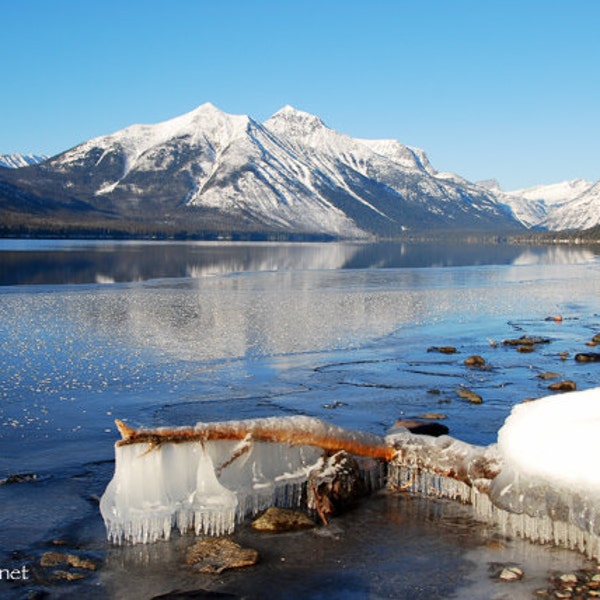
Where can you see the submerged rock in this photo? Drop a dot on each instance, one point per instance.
(469, 395)
(199, 594)
(53, 559)
(18, 478)
(276, 519)
(548, 375)
(563, 386)
(215, 555)
(475, 361)
(442, 349)
(526, 340)
(588, 357)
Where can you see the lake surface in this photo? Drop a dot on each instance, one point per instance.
(176, 333)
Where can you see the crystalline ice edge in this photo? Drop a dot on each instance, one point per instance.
(193, 485)
(540, 481)
(210, 484)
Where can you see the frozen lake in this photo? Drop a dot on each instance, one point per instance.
(175, 333)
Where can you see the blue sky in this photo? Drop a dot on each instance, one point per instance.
(506, 89)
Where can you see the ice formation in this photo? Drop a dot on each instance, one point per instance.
(540, 481)
(210, 476)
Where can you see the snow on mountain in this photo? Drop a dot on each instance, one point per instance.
(16, 160)
(552, 206)
(555, 193)
(581, 212)
(291, 173)
(404, 179)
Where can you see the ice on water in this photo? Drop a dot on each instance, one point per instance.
(540, 481)
(209, 485)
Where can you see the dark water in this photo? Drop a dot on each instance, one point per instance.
(160, 333)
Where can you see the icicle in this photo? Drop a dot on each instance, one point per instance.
(518, 504)
(210, 476)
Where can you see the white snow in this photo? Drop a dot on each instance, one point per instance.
(555, 440)
(554, 193)
(569, 204)
(540, 481)
(16, 160)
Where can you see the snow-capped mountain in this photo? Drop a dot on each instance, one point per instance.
(559, 206)
(581, 212)
(16, 160)
(208, 170)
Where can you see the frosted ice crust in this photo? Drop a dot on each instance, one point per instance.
(210, 476)
(539, 481)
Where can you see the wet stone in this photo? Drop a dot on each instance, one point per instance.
(549, 375)
(442, 349)
(568, 579)
(215, 555)
(61, 575)
(526, 340)
(475, 361)
(526, 349)
(337, 486)
(563, 386)
(469, 395)
(18, 478)
(282, 519)
(511, 574)
(588, 357)
(53, 559)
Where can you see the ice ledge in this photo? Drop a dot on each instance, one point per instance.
(506, 484)
(212, 475)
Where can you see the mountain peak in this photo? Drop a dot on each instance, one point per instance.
(294, 121)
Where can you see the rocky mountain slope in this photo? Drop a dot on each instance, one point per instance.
(211, 171)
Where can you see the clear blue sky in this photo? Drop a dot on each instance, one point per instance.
(488, 88)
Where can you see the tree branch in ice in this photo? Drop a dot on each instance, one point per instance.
(296, 431)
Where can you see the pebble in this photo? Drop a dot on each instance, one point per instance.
(282, 519)
(469, 395)
(52, 559)
(563, 386)
(433, 415)
(588, 357)
(442, 349)
(475, 361)
(511, 574)
(215, 555)
(549, 375)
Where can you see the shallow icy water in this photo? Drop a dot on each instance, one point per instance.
(160, 334)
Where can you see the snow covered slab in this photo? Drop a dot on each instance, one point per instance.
(555, 441)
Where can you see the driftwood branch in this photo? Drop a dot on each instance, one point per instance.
(319, 434)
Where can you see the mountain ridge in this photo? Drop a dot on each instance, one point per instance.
(209, 171)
